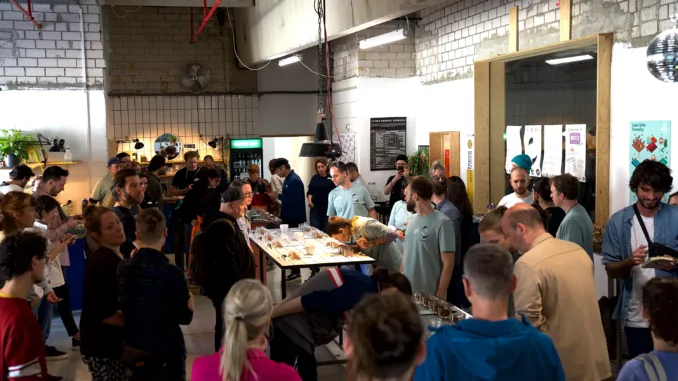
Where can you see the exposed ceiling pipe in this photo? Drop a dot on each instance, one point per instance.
(29, 14)
(204, 22)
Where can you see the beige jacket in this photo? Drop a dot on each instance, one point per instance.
(557, 294)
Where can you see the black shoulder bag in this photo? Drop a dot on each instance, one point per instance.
(654, 249)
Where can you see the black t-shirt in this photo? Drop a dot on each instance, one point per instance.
(129, 226)
(556, 216)
(183, 178)
(396, 192)
(99, 302)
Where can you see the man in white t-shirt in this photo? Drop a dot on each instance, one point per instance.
(626, 248)
(18, 179)
(519, 180)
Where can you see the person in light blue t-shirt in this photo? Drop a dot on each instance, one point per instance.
(348, 199)
(660, 310)
(430, 242)
(490, 346)
(577, 226)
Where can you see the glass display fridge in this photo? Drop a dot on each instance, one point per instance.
(243, 153)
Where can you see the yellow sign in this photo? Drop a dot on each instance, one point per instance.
(469, 184)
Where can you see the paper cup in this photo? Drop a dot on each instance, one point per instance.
(299, 236)
(283, 228)
(310, 249)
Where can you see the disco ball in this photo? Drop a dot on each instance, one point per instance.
(662, 56)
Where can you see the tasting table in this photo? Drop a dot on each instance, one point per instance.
(323, 256)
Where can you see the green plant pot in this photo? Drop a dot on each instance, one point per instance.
(11, 160)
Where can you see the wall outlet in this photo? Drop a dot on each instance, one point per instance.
(348, 127)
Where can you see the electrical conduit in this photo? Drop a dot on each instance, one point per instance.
(88, 121)
(204, 22)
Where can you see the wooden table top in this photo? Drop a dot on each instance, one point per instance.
(323, 255)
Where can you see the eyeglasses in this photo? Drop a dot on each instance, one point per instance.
(248, 194)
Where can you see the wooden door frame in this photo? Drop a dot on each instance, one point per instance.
(490, 121)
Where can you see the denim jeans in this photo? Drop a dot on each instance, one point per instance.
(182, 243)
(318, 220)
(44, 313)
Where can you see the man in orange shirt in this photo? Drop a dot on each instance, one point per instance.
(22, 351)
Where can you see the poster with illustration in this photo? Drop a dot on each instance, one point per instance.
(649, 140)
(575, 151)
(532, 144)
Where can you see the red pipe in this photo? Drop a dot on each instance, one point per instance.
(204, 8)
(30, 8)
(29, 14)
(190, 12)
(204, 22)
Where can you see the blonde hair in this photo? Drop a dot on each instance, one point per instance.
(492, 220)
(247, 310)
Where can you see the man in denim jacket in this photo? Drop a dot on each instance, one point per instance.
(625, 248)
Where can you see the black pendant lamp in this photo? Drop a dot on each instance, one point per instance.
(662, 55)
(320, 146)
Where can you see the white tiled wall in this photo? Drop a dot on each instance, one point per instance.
(147, 117)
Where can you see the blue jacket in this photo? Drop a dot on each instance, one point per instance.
(293, 200)
(617, 246)
(507, 350)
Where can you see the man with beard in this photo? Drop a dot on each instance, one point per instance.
(557, 294)
(632, 235)
(519, 180)
(102, 190)
(22, 351)
(428, 260)
(18, 179)
(127, 193)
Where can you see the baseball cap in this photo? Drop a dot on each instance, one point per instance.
(113, 160)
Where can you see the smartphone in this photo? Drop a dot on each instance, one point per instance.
(401, 168)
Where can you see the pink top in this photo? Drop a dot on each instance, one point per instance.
(206, 368)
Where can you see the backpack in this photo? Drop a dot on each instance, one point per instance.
(653, 367)
(198, 266)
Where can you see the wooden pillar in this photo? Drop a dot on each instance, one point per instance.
(513, 29)
(565, 20)
(603, 128)
(481, 164)
(497, 128)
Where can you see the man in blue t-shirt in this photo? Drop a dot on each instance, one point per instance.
(490, 346)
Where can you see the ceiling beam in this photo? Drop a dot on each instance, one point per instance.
(276, 28)
(180, 3)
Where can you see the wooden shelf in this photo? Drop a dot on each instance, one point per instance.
(49, 163)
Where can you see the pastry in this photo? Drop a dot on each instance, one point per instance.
(278, 244)
(293, 255)
(318, 234)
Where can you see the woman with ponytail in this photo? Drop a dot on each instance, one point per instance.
(315, 313)
(247, 315)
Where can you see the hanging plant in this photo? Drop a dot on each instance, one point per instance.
(418, 163)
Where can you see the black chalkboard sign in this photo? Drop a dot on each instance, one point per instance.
(387, 140)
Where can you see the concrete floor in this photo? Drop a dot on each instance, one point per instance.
(198, 336)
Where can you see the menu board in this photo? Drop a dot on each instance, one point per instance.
(387, 140)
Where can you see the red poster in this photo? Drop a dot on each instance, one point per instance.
(447, 163)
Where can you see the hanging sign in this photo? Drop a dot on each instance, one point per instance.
(553, 150)
(575, 151)
(532, 144)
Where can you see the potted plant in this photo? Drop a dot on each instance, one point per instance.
(418, 163)
(14, 146)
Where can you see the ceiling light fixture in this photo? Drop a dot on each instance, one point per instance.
(384, 39)
(213, 143)
(566, 60)
(289, 60)
(662, 54)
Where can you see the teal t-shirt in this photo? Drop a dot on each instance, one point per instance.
(355, 201)
(426, 237)
(577, 228)
(387, 256)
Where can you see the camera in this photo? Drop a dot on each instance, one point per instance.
(401, 168)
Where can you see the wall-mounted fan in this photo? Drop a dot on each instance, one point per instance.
(195, 77)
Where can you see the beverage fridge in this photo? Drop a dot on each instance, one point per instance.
(243, 153)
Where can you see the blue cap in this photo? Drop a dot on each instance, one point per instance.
(113, 160)
(523, 161)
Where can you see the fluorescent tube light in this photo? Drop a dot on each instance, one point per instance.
(564, 60)
(383, 39)
(289, 60)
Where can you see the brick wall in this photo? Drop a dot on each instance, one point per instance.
(394, 60)
(456, 33)
(50, 58)
(148, 49)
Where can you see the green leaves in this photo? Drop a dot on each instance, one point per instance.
(418, 163)
(16, 142)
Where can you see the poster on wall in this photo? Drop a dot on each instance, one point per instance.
(649, 140)
(470, 138)
(347, 140)
(532, 144)
(553, 150)
(514, 145)
(387, 140)
(575, 151)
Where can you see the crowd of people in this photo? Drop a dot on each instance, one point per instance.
(529, 284)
